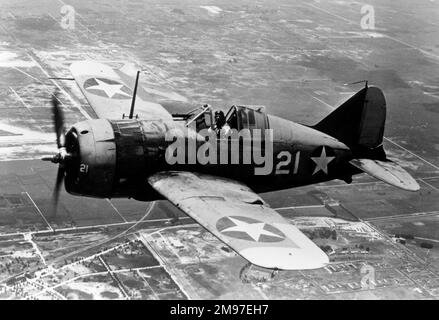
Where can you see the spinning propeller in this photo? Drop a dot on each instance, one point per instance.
(62, 157)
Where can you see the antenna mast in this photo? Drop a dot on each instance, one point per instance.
(361, 81)
(133, 101)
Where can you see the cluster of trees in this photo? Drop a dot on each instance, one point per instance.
(405, 236)
(326, 248)
(361, 247)
(426, 245)
(322, 233)
(17, 260)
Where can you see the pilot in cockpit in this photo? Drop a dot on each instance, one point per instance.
(220, 126)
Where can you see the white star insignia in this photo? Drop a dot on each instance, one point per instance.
(322, 162)
(254, 230)
(109, 89)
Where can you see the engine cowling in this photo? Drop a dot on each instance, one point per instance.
(113, 158)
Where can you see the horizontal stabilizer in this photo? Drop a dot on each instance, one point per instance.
(387, 171)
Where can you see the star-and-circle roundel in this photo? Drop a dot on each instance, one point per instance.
(107, 88)
(245, 228)
(322, 159)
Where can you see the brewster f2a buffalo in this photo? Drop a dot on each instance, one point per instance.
(212, 168)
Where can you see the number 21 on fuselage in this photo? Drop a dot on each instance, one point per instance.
(284, 165)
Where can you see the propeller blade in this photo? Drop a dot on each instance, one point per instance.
(58, 118)
(62, 155)
(56, 190)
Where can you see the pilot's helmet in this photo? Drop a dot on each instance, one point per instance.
(219, 113)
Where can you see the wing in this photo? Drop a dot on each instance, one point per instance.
(109, 92)
(240, 218)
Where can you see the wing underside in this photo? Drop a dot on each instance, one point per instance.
(240, 218)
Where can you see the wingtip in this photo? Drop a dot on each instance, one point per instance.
(413, 187)
(389, 172)
(408, 183)
(286, 258)
(89, 67)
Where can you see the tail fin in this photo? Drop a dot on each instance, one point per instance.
(358, 122)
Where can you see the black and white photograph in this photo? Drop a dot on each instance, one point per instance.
(243, 151)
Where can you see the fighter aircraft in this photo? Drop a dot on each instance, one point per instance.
(123, 154)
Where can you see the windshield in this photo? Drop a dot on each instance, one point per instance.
(202, 117)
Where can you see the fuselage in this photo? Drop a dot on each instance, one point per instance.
(298, 155)
(268, 153)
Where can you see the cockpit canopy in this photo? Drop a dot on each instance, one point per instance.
(247, 117)
(238, 117)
